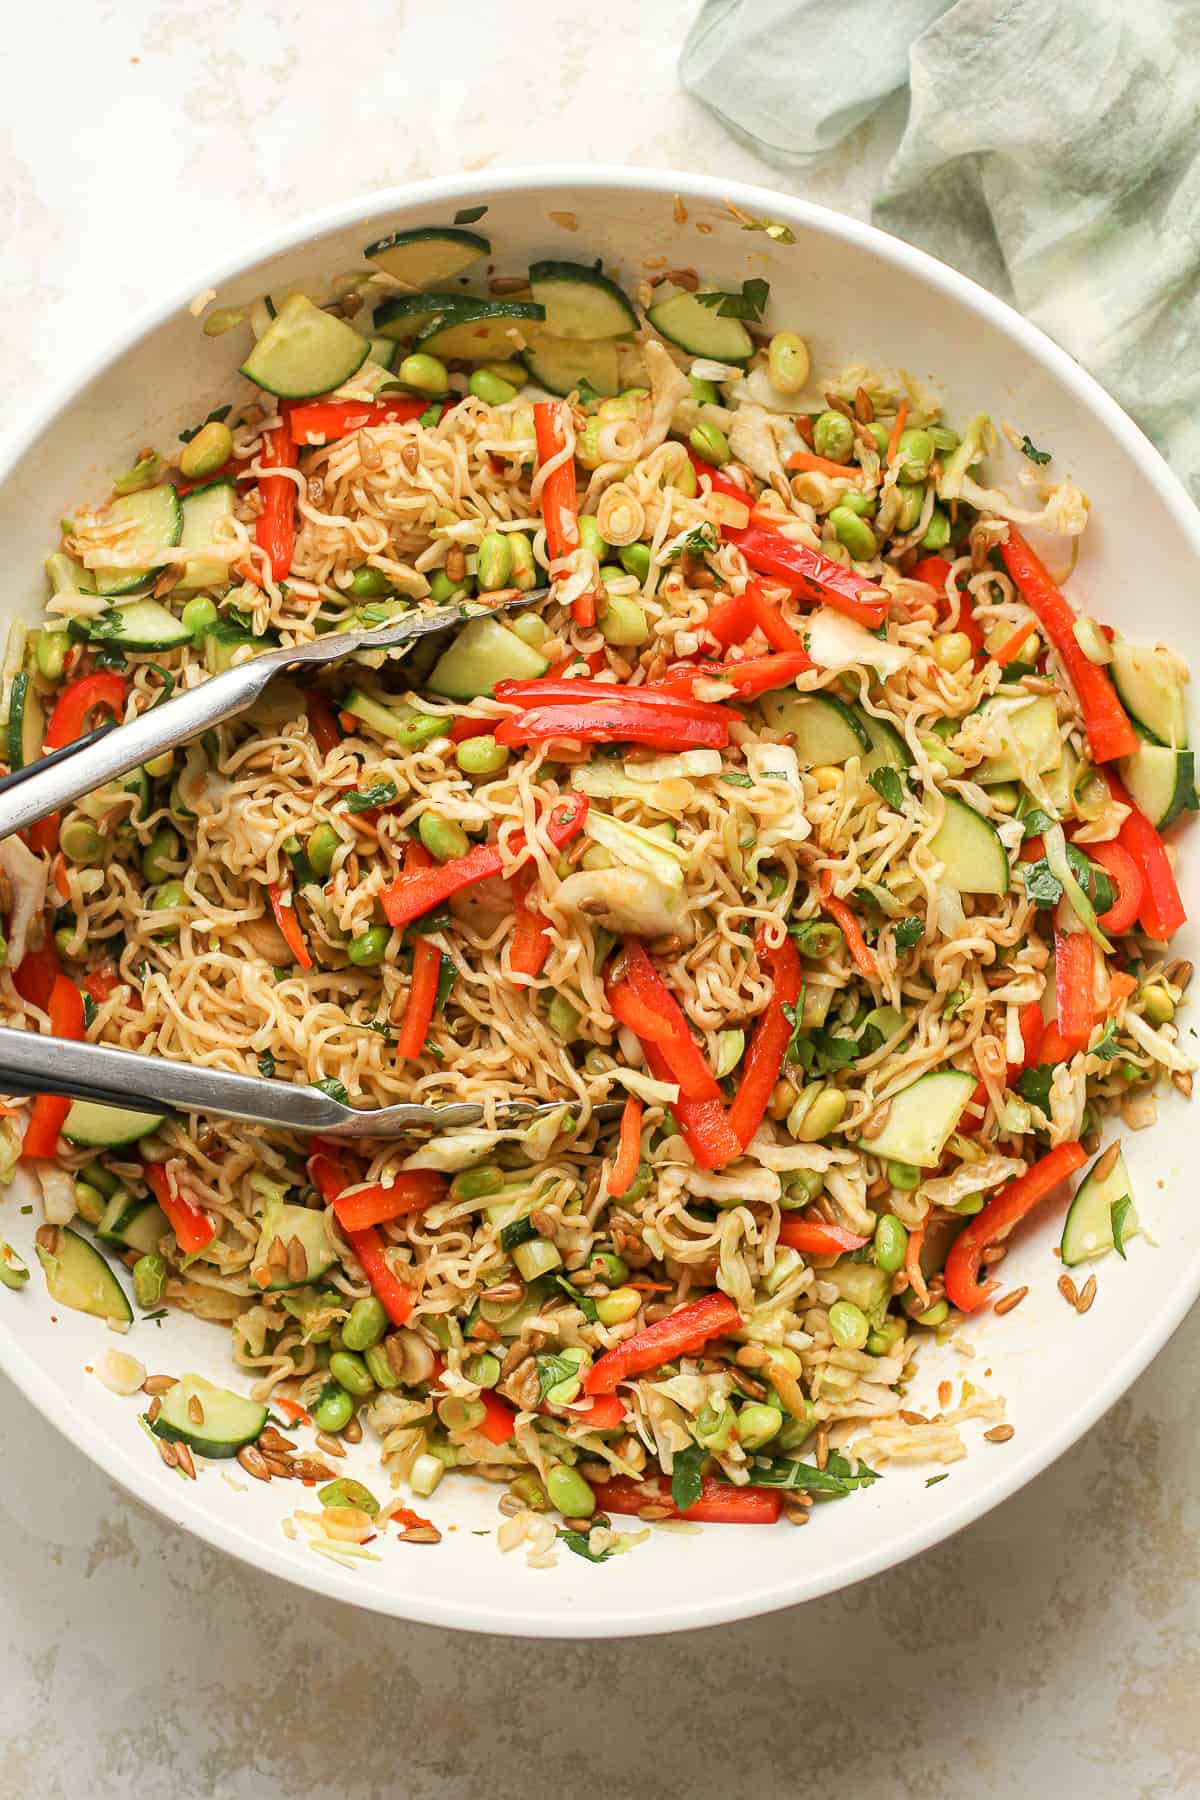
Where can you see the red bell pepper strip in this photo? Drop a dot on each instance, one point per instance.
(1120, 867)
(69, 720)
(720, 1503)
(1054, 1047)
(35, 975)
(1074, 974)
(1162, 911)
(597, 721)
(322, 419)
(560, 504)
(499, 1422)
(605, 1412)
(321, 722)
(764, 1058)
(289, 925)
(721, 484)
(101, 984)
(577, 666)
(629, 1151)
(411, 1191)
(275, 526)
(731, 618)
(963, 1286)
(735, 616)
(50, 1110)
(1109, 732)
(932, 570)
(679, 1048)
(813, 1237)
(760, 674)
(529, 945)
(422, 998)
(851, 930)
(421, 890)
(681, 1333)
(1032, 1027)
(193, 1229)
(537, 696)
(702, 1123)
(466, 727)
(802, 570)
(641, 1019)
(43, 834)
(330, 1178)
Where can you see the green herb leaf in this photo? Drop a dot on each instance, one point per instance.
(588, 395)
(1030, 449)
(888, 786)
(447, 975)
(907, 933)
(736, 778)
(334, 1088)
(236, 615)
(217, 416)
(1036, 822)
(579, 1543)
(1119, 1213)
(431, 416)
(1034, 1085)
(467, 215)
(934, 1479)
(110, 656)
(1042, 886)
(686, 1481)
(774, 228)
(1108, 1047)
(584, 1302)
(748, 304)
(267, 1066)
(381, 793)
(518, 1232)
(836, 1477)
(89, 1010)
(552, 1371)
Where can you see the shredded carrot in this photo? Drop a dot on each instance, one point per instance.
(650, 1287)
(1011, 647)
(898, 424)
(1120, 986)
(840, 913)
(59, 869)
(912, 1263)
(290, 1410)
(625, 1168)
(807, 462)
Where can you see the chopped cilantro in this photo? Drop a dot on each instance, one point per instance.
(907, 933)
(837, 1477)
(217, 416)
(1108, 1047)
(381, 793)
(266, 1066)
(686, 1481)
(1119, 1213)
(334, 1088)
(578, 1542)
(748, 304)
(467, 215)
(1030, 449)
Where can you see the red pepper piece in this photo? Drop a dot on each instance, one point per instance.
(323, 419)
(560, 503)
(802, 570)
(604, 1412)
(1074, 974)
(1162, 911)
(529, 945)
(539, 695)
(814, 1237)
(764, 1058)
(720, 484)
(330, 1177)
(720, 1503)
(629, 1152)
(289, 925)
(673, 1039)
(419, 892)
(1120, 867)
(411, 1191)
(705, 1128)
(321, 722)
(499, 1421)
(35, 975)
(193, 1229)
(49, 1110)
(993, 1224)
(840, 913)
(598, 721)
(681, 1333)
(422, 998)
(275, 526)
(1109, 732)
(72, 710)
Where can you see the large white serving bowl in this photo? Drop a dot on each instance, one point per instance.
(852, 293)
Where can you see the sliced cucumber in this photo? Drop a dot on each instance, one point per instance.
(430, 253)
(382, 350)
(485, 329)
(483, 653)
(388, 721)
(888, 749)
(1088, 1226)
(1059, 784)
(157, 518)
(78, 1276)
(1161, 781)
(921, 1118)
(141, 625)
(210, 1420)
(402, 317)
(201, 510)
(1151, 691)
(139, 1225)
(579, 301)
(974, 859)
(282, 1224)
(223, 640)
(1031, 734)
(26, 722)
(701, 329)
(825, 729)
(105, 1127)
(304, 351)
(561, 364)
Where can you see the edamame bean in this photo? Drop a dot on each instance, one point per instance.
(635, 560)
(891, 1243)
(882, 435)
(424, 373)
(607, 1266)
(833, 436)
(787, 362)
(365, 1325)
(849, 1326)
(368, 949)
(944, 439)
(817, 938)
(522, 572)
(50, 653)
(162, 849)
(905, 1176)
(199, 613)
(912, 499)
(1157, 1005)
(704, 393)
(562, 1018)
(167, 898)
(442, 837)
(149, 1280)
(621, 1304)
(587, 443)
(65, 944)
(854, 533)
(757, 1424)
(481, 755)
(952, 651)
(515, 373)
(862, 504)
(321, 848)
(334, 1408)
(685, 481)
(80, 842)
(208, 451)
(937, 532)
(914, 454)
(592, 538)
(486, 386)
(801, 1187)
(350, 1369)
(1005, 796)
(570, 1493)
(887, 1338)
(442, 590)
(367, 583)
(89, 1202)
(814, 1120)
(714, 1428)
(493, 564)
(623, 622)
(711, 445)
(935, 1315)
(379, 1367)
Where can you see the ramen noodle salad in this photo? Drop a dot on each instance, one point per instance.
(803, 818)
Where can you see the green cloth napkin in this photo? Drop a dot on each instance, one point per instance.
(1050, 151)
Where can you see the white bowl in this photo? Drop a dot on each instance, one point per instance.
(851, 292)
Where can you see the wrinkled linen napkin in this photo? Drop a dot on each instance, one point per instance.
(1050, 151)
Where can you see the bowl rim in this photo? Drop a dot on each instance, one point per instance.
(1127, 1363)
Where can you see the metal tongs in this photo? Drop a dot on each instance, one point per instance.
(33, 1064)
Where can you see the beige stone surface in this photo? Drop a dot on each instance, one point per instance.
(1051, 1648)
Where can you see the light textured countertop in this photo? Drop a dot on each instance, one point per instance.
(1052, 1647)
